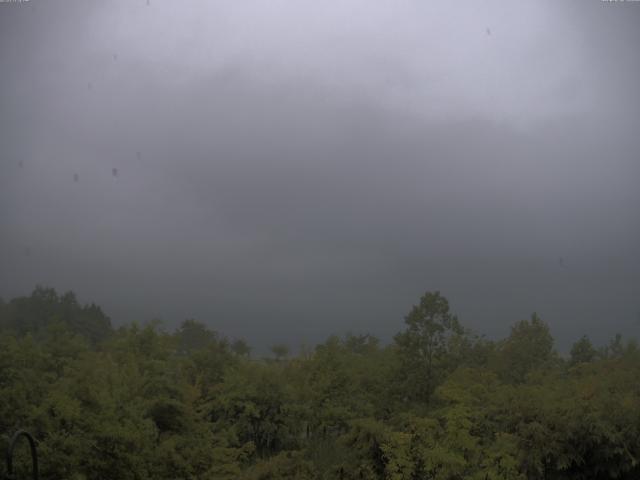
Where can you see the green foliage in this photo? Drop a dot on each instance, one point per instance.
(583, 351)
(280, 351)
(286, 465)
(439, 403)
(241, 348)
(426, 346)
(193, 335)
(34, 314)
(528, 347)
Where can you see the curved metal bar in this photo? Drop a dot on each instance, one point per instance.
(34, 453)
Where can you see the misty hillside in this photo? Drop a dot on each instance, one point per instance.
(439, 402)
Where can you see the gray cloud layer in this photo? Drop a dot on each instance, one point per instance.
(286, 170)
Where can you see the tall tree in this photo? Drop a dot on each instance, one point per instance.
(280, 351)
(529, 346)
(194, 335)
(583, 351)
(425, 344)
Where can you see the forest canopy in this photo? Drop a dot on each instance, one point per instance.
(438, 402)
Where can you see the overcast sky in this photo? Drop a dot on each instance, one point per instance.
(287, 169)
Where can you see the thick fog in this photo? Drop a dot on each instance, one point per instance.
(284, 170)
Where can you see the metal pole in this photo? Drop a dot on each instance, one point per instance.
(34, 453)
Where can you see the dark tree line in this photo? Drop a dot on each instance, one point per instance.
(439, 402)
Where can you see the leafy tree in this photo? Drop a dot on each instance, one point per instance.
(193, 335)
(255, 402)
(280, 351)
(289, 465)
(529, 346)
(425, 345)
(361, 344)
(241, 348)
(35, 313)
(583, 351)
(614, 349)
